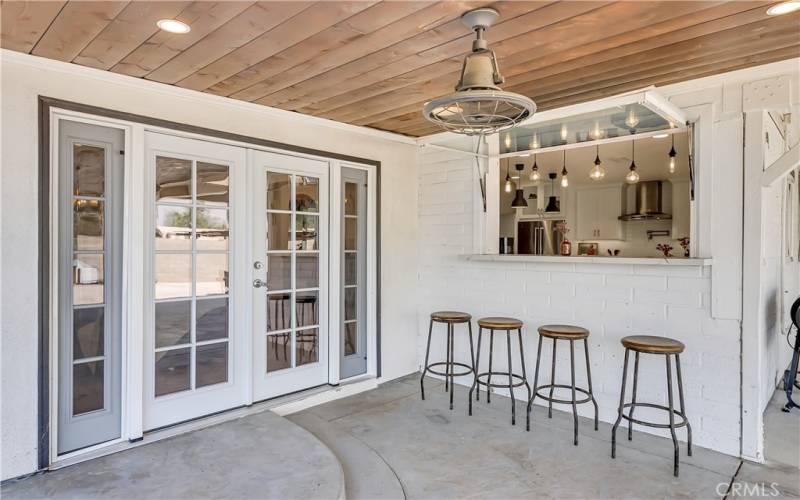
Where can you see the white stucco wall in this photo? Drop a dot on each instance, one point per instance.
(700, 307)
(24, 78)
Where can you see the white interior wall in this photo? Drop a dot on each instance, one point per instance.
(614, 300)
(24, 78)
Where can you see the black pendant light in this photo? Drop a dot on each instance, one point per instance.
(597, 172)
(535, 175)
(672, 155)
(564, 178)
(633, 175)
(552, 201)
(519, 198)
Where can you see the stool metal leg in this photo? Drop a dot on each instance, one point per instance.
(574, 406)
(489, 378)
(472, 350)
(683, 408)
(621, 402)
(447, 361)
(552, 380)
(425, 368)
(672, 417)
(633, 398)
(589, 378)
(511, 380)
(535, 383)
(522, 362)
(477, 364)
(450, 366)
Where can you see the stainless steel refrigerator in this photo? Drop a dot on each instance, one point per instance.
(538, 237)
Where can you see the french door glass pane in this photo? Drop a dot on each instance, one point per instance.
(350, 268)
(173, 228)
(307, 272)
(173, 323)
(212, 364)
(173, 275)
(211, 274)
(279, 311)
(88, 224)
(88, 332)
(306, 194)
(212, 229)
(306, 346)
(173, 180)
(172, 371)
(279, 272)
(89, 170)
(350, 299)
(350, 233)
(87, 279)
(350, 338)
(306, 309)
(87, 387)
(279, 354)
(279, 234)
(305, 232)
(279, 191)
(212, 183)
(212, 319)
(350, 198)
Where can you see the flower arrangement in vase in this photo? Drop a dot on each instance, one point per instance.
(685, 245)
(566, 245)
(665, 248)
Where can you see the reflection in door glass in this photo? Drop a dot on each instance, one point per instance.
(173, 228)
(279, 234)
(212, 319)
(212, 364)
(279, 312)
(172, 371)
(350, 338)
(306, 343)
(307, 196)
(279, 355)
(173, 180)
(279, 191)
(88, 224)
(88, 332)
(212, 184)
(89, 170)
(87, 387)
(307, 273)
(211, 274)
(173, 323)
(212, 229)
(88, 274)
(306, 308)
(350, 198)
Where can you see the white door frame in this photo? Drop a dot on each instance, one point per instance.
(134, 280)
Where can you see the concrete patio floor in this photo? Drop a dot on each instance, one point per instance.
(388, 444)
(421, 449)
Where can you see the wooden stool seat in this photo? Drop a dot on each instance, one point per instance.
(653, 344)
(568, 332)
(451, 316)
(500, 323)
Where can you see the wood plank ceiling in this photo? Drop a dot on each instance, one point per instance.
(375, 63)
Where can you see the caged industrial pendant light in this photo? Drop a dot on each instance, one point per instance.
(479, 106)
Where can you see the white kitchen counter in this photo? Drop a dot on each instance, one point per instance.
(647, 261)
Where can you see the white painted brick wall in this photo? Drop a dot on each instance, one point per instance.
(611, 300)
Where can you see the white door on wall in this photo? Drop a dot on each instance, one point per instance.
(289, 273)
(195, 342)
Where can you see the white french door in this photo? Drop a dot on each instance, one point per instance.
(289, 230)
(196, 341)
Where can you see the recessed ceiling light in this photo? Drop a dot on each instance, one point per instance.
(173, 26)
(783, 8)
(660, 136)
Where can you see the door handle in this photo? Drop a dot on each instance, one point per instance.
(257, 283)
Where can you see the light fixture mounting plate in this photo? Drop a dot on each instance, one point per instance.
(480, 18)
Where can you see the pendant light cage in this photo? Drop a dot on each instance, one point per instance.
(479, 106)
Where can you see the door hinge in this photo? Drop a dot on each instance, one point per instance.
(121, 152)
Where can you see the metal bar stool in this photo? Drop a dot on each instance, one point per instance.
(493, 324)
(450, 318)
(571, 333)
(653, 345)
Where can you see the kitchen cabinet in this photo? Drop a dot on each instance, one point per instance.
(598, 211)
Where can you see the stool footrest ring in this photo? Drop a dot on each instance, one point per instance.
(504, 376)
(562, 401)
(682, 423)
(443, 374)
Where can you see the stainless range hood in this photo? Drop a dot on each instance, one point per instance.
(648, 203)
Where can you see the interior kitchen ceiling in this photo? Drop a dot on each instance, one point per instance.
(375, 63)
